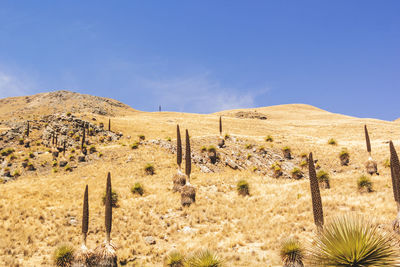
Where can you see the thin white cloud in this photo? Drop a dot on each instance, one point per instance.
(14, 85)
(199, 94)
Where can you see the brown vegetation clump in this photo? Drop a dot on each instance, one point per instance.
(188, 195)
(344, 157)
(395, 173)
(179, 180)
(371, 167)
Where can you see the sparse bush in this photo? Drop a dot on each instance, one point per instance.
(7, 151)
(296, 173)
(68, 168)
(248, 146)
(54, 163)
(344, 157)
(227, 136)
(212, 149)
(204, 258)
(364, 184)
(292, 253)
(323, 179)
(332, 142)
(261, 149)
(168, 139)
(63, 256)
(175, 259)
(31, 155)
(135, 145)
(243, 188)
(248, 156)
(16, 173)
(287, 152)
(269, 139)
(149, 169)
(71, 157)
(21, 141)
(141, 137)
(255, 169)
(386, 163)
(114, 198)
(73, 150)
(353, 241)
(203, 149)
(12, 157)
(137, 188)
(100, 155)
(55, 170)
(92, 149)
(276, 167)
(303, 164)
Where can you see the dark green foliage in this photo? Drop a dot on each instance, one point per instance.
(364, 184)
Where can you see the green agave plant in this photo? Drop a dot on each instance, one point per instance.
(204, 258)
(353, 241)
(292, 253)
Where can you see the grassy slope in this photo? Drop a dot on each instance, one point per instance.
(245, 231)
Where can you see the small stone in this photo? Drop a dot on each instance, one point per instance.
(150, 240)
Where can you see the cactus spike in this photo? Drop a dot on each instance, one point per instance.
(315, 194)
(178, 147)
(220, 126)
(83, 138)
(108, 209)
(85, 215)
(367, 140)
(188, 166)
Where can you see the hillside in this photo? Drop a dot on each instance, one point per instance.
(60, 102)
(42, 209)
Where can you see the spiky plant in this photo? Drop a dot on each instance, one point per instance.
(395, 173)
(364, 184)
(27, 130)
(109, 125)
(292, 253)
(204, 258)
(323, 179)
(175, 259)
(178, 147)
(137, 188)
(243, 188)
(83, 137)
(352, 241)
(105, 253)
(188, 162)
(367, 140)
(64, 147)
(220, 126)
(315, 194)
(64, 256)
(84, 256)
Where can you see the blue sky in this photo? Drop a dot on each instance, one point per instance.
(205, 56)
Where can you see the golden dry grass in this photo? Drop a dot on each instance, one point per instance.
(245, 231)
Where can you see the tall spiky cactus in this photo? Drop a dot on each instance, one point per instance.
(315, 194)
(367, 140)
(27, 130)
(83, 137)
(109, 125)
(85, 216)
(64, 147)
(108, 209)
(395, 173)
(220, 126)
(188, 162)
(178, 147)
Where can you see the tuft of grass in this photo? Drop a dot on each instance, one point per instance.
(332, 142)
(227, 136)
(286, 149)
(243, 188)
(248, 146)
(92, 149)
(7, 151)
(114, 198)
(149, 169)
(249, 156)
(364, 183)
(135, 145)
(168, 139)
(205, 258)
(137, 188)
(269, 139)
(292, 253)
(175, 259)
(141, 137)
(55, 170)
(303, 164)
(386, 163)
(322, 176)
(68, 168)
(212, 149)
(296, 173)
(203, 149)
(352, 241)
(63, 256)
(16, 173)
